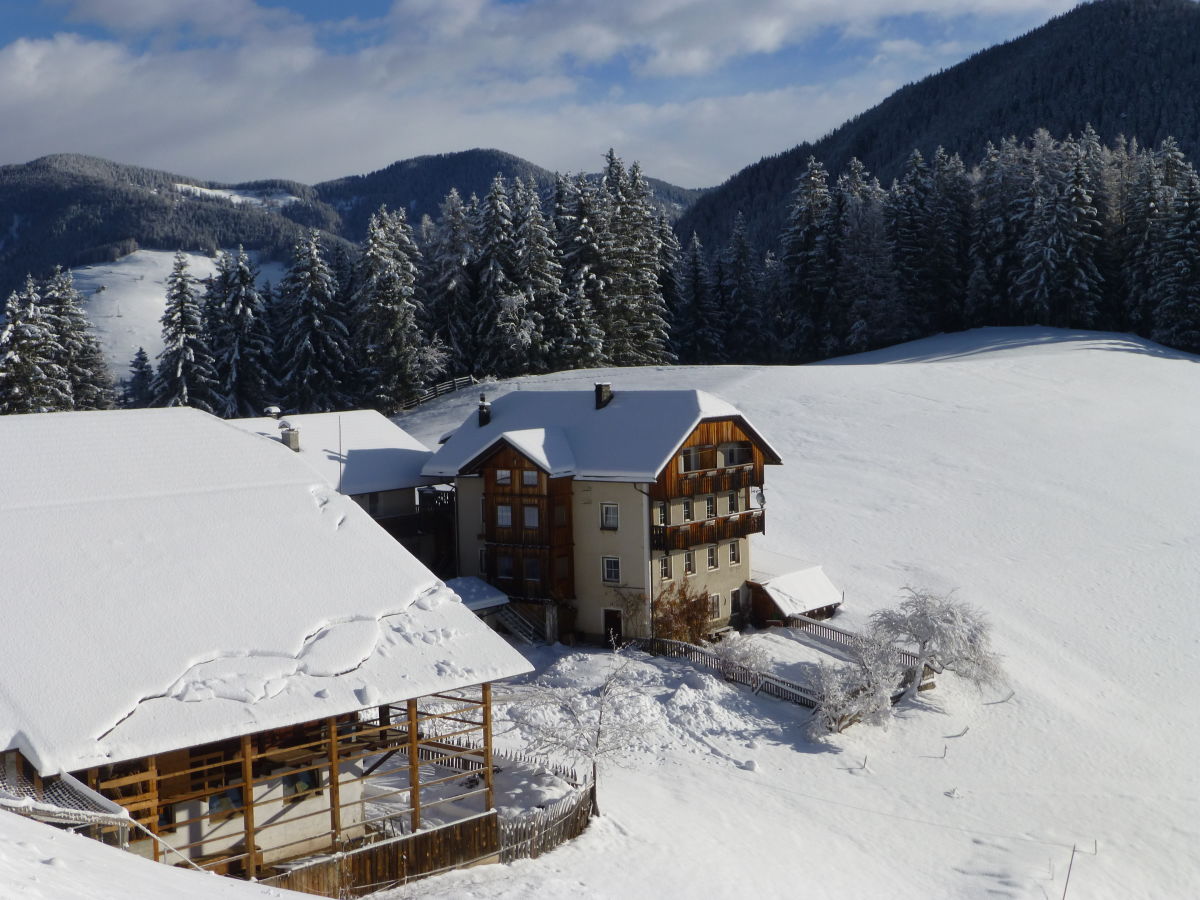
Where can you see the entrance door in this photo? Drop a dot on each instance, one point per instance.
(612, 626)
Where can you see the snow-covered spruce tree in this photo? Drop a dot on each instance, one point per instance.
(397, 359)
(539, 278)
(139, 388)
(584, 239)
(650, 315)
(1141, 241)
(878, 317)
(450, 285)
(807, 265)
(949, 264)
(669, 250)
(994, 239)
(595, 725)
(315, 350)
(948, 634)
(92, 385)
(185, 374)
(910, 229)
(697, 334)
(1177, 288)
(31, 378)
(504, 329)
(739, 297)
(239, 338)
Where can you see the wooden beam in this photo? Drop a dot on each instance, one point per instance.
(414, 766)
(487, 743)
(247, 752)
(335, 798)
(155, 810)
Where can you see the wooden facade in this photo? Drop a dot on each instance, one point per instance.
(532, 556)
(251, 806)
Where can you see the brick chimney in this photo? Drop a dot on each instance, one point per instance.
(604, 394)
(290, 436)
(485, 410)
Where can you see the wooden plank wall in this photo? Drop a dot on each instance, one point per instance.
(673, 483)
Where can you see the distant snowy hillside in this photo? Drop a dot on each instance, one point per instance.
(1049, 477)
(124, 300)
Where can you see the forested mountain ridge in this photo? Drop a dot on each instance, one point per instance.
(1127, 67)
(72, 210)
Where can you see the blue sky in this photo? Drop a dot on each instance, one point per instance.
(233, 90)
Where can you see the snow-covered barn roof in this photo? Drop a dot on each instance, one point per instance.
(356, 452)
(170, 580)
(798, 593)
(630, 439)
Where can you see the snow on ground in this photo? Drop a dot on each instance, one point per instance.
(39, 862)
(124, 300)
(1049, 477)
(261, 199)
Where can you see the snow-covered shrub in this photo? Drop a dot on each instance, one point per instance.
(743, 650)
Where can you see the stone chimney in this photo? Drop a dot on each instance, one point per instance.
(290, 436)
(485, 410)
(604, 394)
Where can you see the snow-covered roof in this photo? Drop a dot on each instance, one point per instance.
(797, 593)
(630, 439)
(170, 579)
(355, 452)
(476, 593)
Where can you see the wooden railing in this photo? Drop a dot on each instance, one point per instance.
(839, 637)
(444, 387)
(717, 481)
(710, 531)
(759, 682)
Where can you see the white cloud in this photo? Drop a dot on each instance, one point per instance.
(267, 99)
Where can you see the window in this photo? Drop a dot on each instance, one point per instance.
(660, 514)
(609, 516)
(713, 561)
(687, 510)
(504, 476)
(529, 477)
(735, 552)
(710, 507)
(533, 569)
(738, 454)
(530, 516)
(298, 785)
(664, 568)
(689, 562)
(503, 515)
(733, 501)
(694, 459)
(226, 803)
(504, 566)
(714, 606)
(612, 569)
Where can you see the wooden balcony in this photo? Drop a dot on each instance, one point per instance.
(691, 534)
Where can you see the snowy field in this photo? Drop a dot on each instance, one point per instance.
(124, 300)
(1048, 476)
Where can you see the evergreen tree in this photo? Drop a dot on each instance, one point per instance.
(1177, 290)
(82, 359)
(315, 350)
(139, 389)
(807, 264)
(31, 379)
(875, 314)
(739, 297)
(397, 359)
(185, 374)
(539, 279)
(585, 242)
(240, 338)
(504, 328)
(698, 331)
(451, 285)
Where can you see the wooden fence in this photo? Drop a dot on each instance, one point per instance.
(444, 387)
(839, 637)
(538, 831)
(759, 682)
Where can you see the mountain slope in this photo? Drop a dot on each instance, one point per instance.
(1126, 66)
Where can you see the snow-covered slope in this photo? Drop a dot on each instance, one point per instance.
(1049, 477)
(124, 300)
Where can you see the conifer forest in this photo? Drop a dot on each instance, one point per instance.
(1064, 232)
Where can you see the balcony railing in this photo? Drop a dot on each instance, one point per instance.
(716, 481)
(691, 534)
